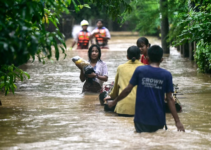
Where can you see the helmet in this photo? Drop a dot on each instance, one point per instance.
(84, 23)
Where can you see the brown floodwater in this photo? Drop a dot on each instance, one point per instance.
(48, 111)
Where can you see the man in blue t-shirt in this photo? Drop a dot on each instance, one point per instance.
(152, 83)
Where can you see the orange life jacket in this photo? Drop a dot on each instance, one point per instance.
(99, 40)
(83, 39)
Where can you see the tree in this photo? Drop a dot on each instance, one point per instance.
(144, 17)
(164, 26)
(149, 15)
(23, 32)
(194, 25)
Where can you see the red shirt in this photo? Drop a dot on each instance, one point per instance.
(144, 60)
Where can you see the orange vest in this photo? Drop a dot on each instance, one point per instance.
(100, 41)
(83, 39)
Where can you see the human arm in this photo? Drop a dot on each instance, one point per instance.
(93, 33)
(82, 76)
(104, 38)
(91, 41)
(122, 95)
(108, 35)
(171, 105)
(101, 72)
(115, 91)
(97, 32)
(75, 40)
(94, 75)
(103, 78)
(133, 82)
(73, 44)
(92, 36)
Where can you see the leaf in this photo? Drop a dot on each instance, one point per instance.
(53, 21)
(21, 77)
(11, 79)
(28, 76)
(68, 2)
(12, 88)
(1, 85)
(80, 6)
(5, 79)
(87, 6)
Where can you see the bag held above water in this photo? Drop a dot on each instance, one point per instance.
(85, 65)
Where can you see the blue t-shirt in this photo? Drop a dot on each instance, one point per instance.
(152, 84)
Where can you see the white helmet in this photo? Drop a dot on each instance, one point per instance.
(84, 23)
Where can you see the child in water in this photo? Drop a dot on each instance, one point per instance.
(143, 44)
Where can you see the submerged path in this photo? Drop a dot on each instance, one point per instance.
(48, 111)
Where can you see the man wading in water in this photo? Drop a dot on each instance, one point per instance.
(101, 34)
(83, 37)
(152, 83)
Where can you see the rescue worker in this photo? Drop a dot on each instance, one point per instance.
(83, 37)
(101, 34)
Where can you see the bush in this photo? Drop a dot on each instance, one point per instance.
(203, 56)
(23, 36)
(195, 26)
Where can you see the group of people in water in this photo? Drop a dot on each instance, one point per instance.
(140, 85)
(101, 35)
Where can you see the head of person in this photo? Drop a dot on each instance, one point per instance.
(155, 54)
(94, 53)
(143, 44)
(84, 24)
(133, 53)
(100, 23)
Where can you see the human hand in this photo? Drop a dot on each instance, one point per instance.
(107, 98)
(96, 32)
(100, 35)
(111, 103)
(180, 126)
(92, 75)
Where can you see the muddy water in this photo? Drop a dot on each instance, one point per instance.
(49, 112)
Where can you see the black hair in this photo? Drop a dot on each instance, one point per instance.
(90, 51)
(143, 40)
(155, 53)
(133, 53)
(101, 20)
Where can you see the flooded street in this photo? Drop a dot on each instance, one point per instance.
(49, 112)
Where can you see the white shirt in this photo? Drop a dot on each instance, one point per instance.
(101, 69)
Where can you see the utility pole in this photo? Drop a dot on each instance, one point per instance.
(164, 26)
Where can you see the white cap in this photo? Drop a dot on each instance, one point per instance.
(84, 23)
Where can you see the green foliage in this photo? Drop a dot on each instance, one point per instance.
(145, 16)
(113, 7)
(23, 32)
(203, 56)
(101, 9)
(23, 35)
(8, 75)
(194, 24)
